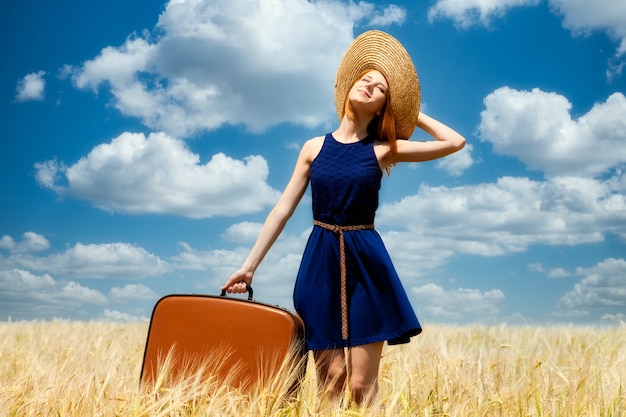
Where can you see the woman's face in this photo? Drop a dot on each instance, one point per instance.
(369, 92)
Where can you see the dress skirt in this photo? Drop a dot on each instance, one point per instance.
(378, 306)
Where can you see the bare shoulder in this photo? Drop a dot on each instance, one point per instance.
(315, 142)
(312, 148)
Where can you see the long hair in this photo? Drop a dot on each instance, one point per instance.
(383, 126)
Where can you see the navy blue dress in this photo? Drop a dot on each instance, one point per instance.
(345, 181)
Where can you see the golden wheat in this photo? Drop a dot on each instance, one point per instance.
(63, 368)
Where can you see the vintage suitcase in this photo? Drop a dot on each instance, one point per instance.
(238, 342)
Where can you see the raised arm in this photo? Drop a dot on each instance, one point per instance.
(447, 141)
(277, 218)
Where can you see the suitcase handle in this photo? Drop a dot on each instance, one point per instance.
(248, 288)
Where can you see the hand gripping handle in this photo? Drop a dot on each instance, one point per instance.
(248, 288)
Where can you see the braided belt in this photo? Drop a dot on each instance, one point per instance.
(338, 230)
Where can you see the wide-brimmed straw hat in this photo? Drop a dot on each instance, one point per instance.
(377, 50)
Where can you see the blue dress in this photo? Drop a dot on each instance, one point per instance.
(345, 181)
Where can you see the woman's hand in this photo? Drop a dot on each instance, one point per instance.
(238, 282)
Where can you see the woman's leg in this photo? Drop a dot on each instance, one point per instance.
(362, 370)
(331, 370)
(364, 362)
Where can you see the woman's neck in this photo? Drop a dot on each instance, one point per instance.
(350, 130)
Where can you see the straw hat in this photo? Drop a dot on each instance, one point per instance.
(376, 50)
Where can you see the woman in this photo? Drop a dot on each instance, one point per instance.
(347, 290)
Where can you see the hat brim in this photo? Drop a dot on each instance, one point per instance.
(377, 50)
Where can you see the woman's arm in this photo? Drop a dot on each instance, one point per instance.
(277, 218)
(447, 141)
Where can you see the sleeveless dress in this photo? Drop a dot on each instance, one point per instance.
(345, 181)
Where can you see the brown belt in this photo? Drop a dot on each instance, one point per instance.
(338, 230)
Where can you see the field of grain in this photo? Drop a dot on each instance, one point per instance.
(63, 368)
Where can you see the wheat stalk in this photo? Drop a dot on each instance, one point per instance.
(62, 368)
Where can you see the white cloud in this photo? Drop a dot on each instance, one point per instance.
(31, 242)
(392, 14)
(132, 292)
(117, 66)
(25, 295)
(243, 232)
(582, 17)
(7, 242)
(466, 13)
(536, 127)
(118, 316)
(135, 174)
(49, 173)
(615, 318)
(225, 261)
(273, 280)
(579, 16)
(435, 302)
(505, 217)
(251, 62)
(553, 273)
(604, 286)
(414, 258)
(558, 273)
(31, 87)
(106, 260)
(536, 267)
(458, 162)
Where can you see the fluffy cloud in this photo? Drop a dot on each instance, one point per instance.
(536, 127)
(552, 273)
(437, 303)
(31, 242)
(251, 63)
(159, 174)
(579, 16)
(118, 316)
(604, 285)
(108, 260)
(28, 289)
(274, 279)
(458, 162)
(244, 232)
(507, 216)
(220, 260)
(31, 87)
(392, 14)
(25, 295)
(132, 292)
(466, 13)
(582, 17)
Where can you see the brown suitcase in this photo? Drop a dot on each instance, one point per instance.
(240, 342)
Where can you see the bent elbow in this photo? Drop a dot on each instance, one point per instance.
(459, 143)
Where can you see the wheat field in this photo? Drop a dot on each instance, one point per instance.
(62, 368)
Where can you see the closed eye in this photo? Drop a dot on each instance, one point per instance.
(380, 86)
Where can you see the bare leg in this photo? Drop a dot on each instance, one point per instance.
(363, 361)
(331, 370)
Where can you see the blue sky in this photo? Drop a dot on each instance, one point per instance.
(143, 143)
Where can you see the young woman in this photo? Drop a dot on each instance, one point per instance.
(347, 291)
